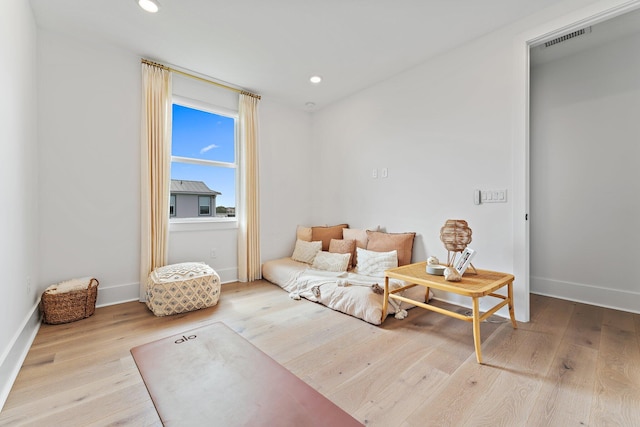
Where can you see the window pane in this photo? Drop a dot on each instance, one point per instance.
(204, 204)
(221, 180)
(202, 135)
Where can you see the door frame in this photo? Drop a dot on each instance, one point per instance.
(521, 161)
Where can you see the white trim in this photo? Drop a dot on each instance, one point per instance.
(228, 275)
(202, 224)
(587, 294)
(203, 162)
(520, 195)
(204, 106)
(129, 292)
(591, 20)
(220, 111)
(118, 294)
(17, 350)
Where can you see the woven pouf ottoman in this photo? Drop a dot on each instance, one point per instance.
(178, 288)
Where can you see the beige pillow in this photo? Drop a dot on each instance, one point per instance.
(325, 234)
(303, 233)
(306, 251)
(328, 261)
(384, 242)
(360, 236)
(343, 246)
(371, 263)
(357, 234)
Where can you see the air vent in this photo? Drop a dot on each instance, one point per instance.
(566, 37)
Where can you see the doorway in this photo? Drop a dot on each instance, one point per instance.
(584, 178)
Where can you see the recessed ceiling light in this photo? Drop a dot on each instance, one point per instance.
(310, 105)
(151, 6)
(315, 79)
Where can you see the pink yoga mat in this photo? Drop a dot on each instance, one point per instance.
(212, 376)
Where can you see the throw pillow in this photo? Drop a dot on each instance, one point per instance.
(325, 234)
(331, 261)
(343, 246)
(306, 251)
(303, 233)
(371, 263)
(360, 236)
(357, 234)
(402, 242)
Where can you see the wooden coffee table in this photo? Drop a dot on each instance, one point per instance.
(475, 286)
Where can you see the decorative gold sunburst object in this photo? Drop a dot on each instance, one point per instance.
(456, 235)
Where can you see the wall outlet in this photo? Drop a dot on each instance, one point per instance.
(214, 253)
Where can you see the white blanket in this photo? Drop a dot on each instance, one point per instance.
(354, 294)
(345, 292)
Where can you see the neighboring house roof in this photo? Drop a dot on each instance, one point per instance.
(181, 186)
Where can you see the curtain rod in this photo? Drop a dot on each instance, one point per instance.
(173, 70)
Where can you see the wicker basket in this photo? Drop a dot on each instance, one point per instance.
(69, 306)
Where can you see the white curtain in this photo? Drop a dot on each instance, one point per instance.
(248, 205)
(155, 169)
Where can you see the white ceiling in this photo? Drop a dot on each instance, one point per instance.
(272, 47)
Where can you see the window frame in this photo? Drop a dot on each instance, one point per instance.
(200, 205)
(220, 111)
(173, 201)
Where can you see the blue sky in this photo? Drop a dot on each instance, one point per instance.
(204, 135)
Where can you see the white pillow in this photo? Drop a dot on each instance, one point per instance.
(370, 263)
(330, 261)
(306, 251)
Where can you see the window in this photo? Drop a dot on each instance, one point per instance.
(204, 205)
(172, 205)
(203, 160)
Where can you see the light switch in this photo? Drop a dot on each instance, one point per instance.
(374, 174)
(494, 196)
(385, 172)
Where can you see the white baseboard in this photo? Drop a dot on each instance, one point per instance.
(228, 275)
(110, 295)
(117, 294)
(588, 294)
(12, 359)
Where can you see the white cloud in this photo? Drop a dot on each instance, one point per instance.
(208, 147)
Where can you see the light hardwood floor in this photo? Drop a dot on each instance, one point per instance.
(573, 364)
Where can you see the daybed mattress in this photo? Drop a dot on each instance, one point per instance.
(346, 292)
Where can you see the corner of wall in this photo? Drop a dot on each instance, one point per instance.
(11, 361)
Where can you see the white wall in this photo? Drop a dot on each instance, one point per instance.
(89, 162)
(19, 188)
(442, 130)
(89, 104)
(451, 125)
(285, 177)
(585, 176)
